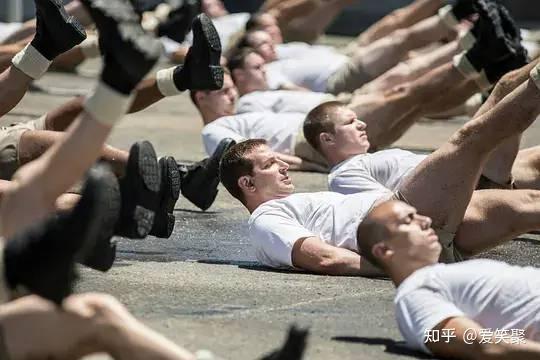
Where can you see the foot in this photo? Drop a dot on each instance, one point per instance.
(493, 45)
(56, 31)
(294, 346)
(41, 260)
(178, 22)
(168, 195)
(129, 52)
(201, 69)
(102, 255)
(463, 9)
(139, 189)
(199, 181)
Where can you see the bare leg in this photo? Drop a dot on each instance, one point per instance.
(307, 26)
(388, 115)
(411, 69)
(399, 19)
(442, 185)
(33, 144)
(367, 63)
(147, 93)
(13, 85)
(526, 169)
(496, 216)
(89, 323)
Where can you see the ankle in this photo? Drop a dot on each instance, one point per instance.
(166, 83)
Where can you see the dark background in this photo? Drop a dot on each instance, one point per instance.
(356, 17)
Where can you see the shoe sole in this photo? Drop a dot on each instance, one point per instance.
(170, 192)
(212, 80)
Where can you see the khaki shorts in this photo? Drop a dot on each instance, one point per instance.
(10, 137)
(348, 78)
(303, 150)
(449, 253)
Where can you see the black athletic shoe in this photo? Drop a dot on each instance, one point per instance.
(201, 69)
(199, 181)
(463, 8)
(102, 255)
(492, 45)
(179, 21)
(41, 259)
(294, 346)
(168, 195)
(140, 192)
(141, 6)
(128, 51)
(56, 31)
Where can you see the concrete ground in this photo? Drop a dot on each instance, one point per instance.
(203, 287)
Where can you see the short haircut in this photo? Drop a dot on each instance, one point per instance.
(320, 120)
(235, 164)
(238, 59)
(254, 22)
(369, 233)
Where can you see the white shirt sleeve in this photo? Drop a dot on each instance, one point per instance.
(418, 312)
(354, 180)
(274, 234)
(213, 133)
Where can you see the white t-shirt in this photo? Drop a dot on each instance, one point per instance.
(310, 72)
(226, 26)
(279, 130)
(276, 225)
(281, 101)
(493, 294)
(365, 172)
(297, 49)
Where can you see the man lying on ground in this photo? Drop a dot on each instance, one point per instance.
(318, 232)
(341, 138)
(476, 309)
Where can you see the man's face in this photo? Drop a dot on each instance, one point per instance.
(270, 177)
(264, 45)
(213, 8)
(410, 234)
(223, 101)
(269, 25)
(253, 72)
(350, 133)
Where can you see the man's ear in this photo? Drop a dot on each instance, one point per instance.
(246, 183)
(326, 138)
(237, 74)
(382, 252)
(200, 96)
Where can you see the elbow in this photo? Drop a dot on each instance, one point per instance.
(330, 266)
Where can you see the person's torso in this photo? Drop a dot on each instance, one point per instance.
(281, 101)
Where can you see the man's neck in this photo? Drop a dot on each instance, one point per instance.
(334, 157)
(208, 117)
(399, 271)
(243, 90)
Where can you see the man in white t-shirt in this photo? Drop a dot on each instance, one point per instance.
(340, 137)
(217, 109)
(473, 309)
(317, 232)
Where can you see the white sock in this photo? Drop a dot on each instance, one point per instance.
(107, 105)
(90, 47)
(165, 82)
(447, 17)
(31, 62)
(467, 41)
(535, 76)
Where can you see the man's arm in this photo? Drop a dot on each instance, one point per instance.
(292, 87)
(314, 255)
(467, 346)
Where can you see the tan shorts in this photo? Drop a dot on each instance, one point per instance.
(303, 150)
(10, 137)
(348, 78)
(449, 253)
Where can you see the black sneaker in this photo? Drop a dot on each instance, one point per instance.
(169, 193)
(102, 255)
(141, 6)
(56, 31)
(128, 51)
(179, 21)
(294, 346)
(463, 9)
(492, 45)
(201, 69)
(140, 192)
(41, 259)
(199, 181)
